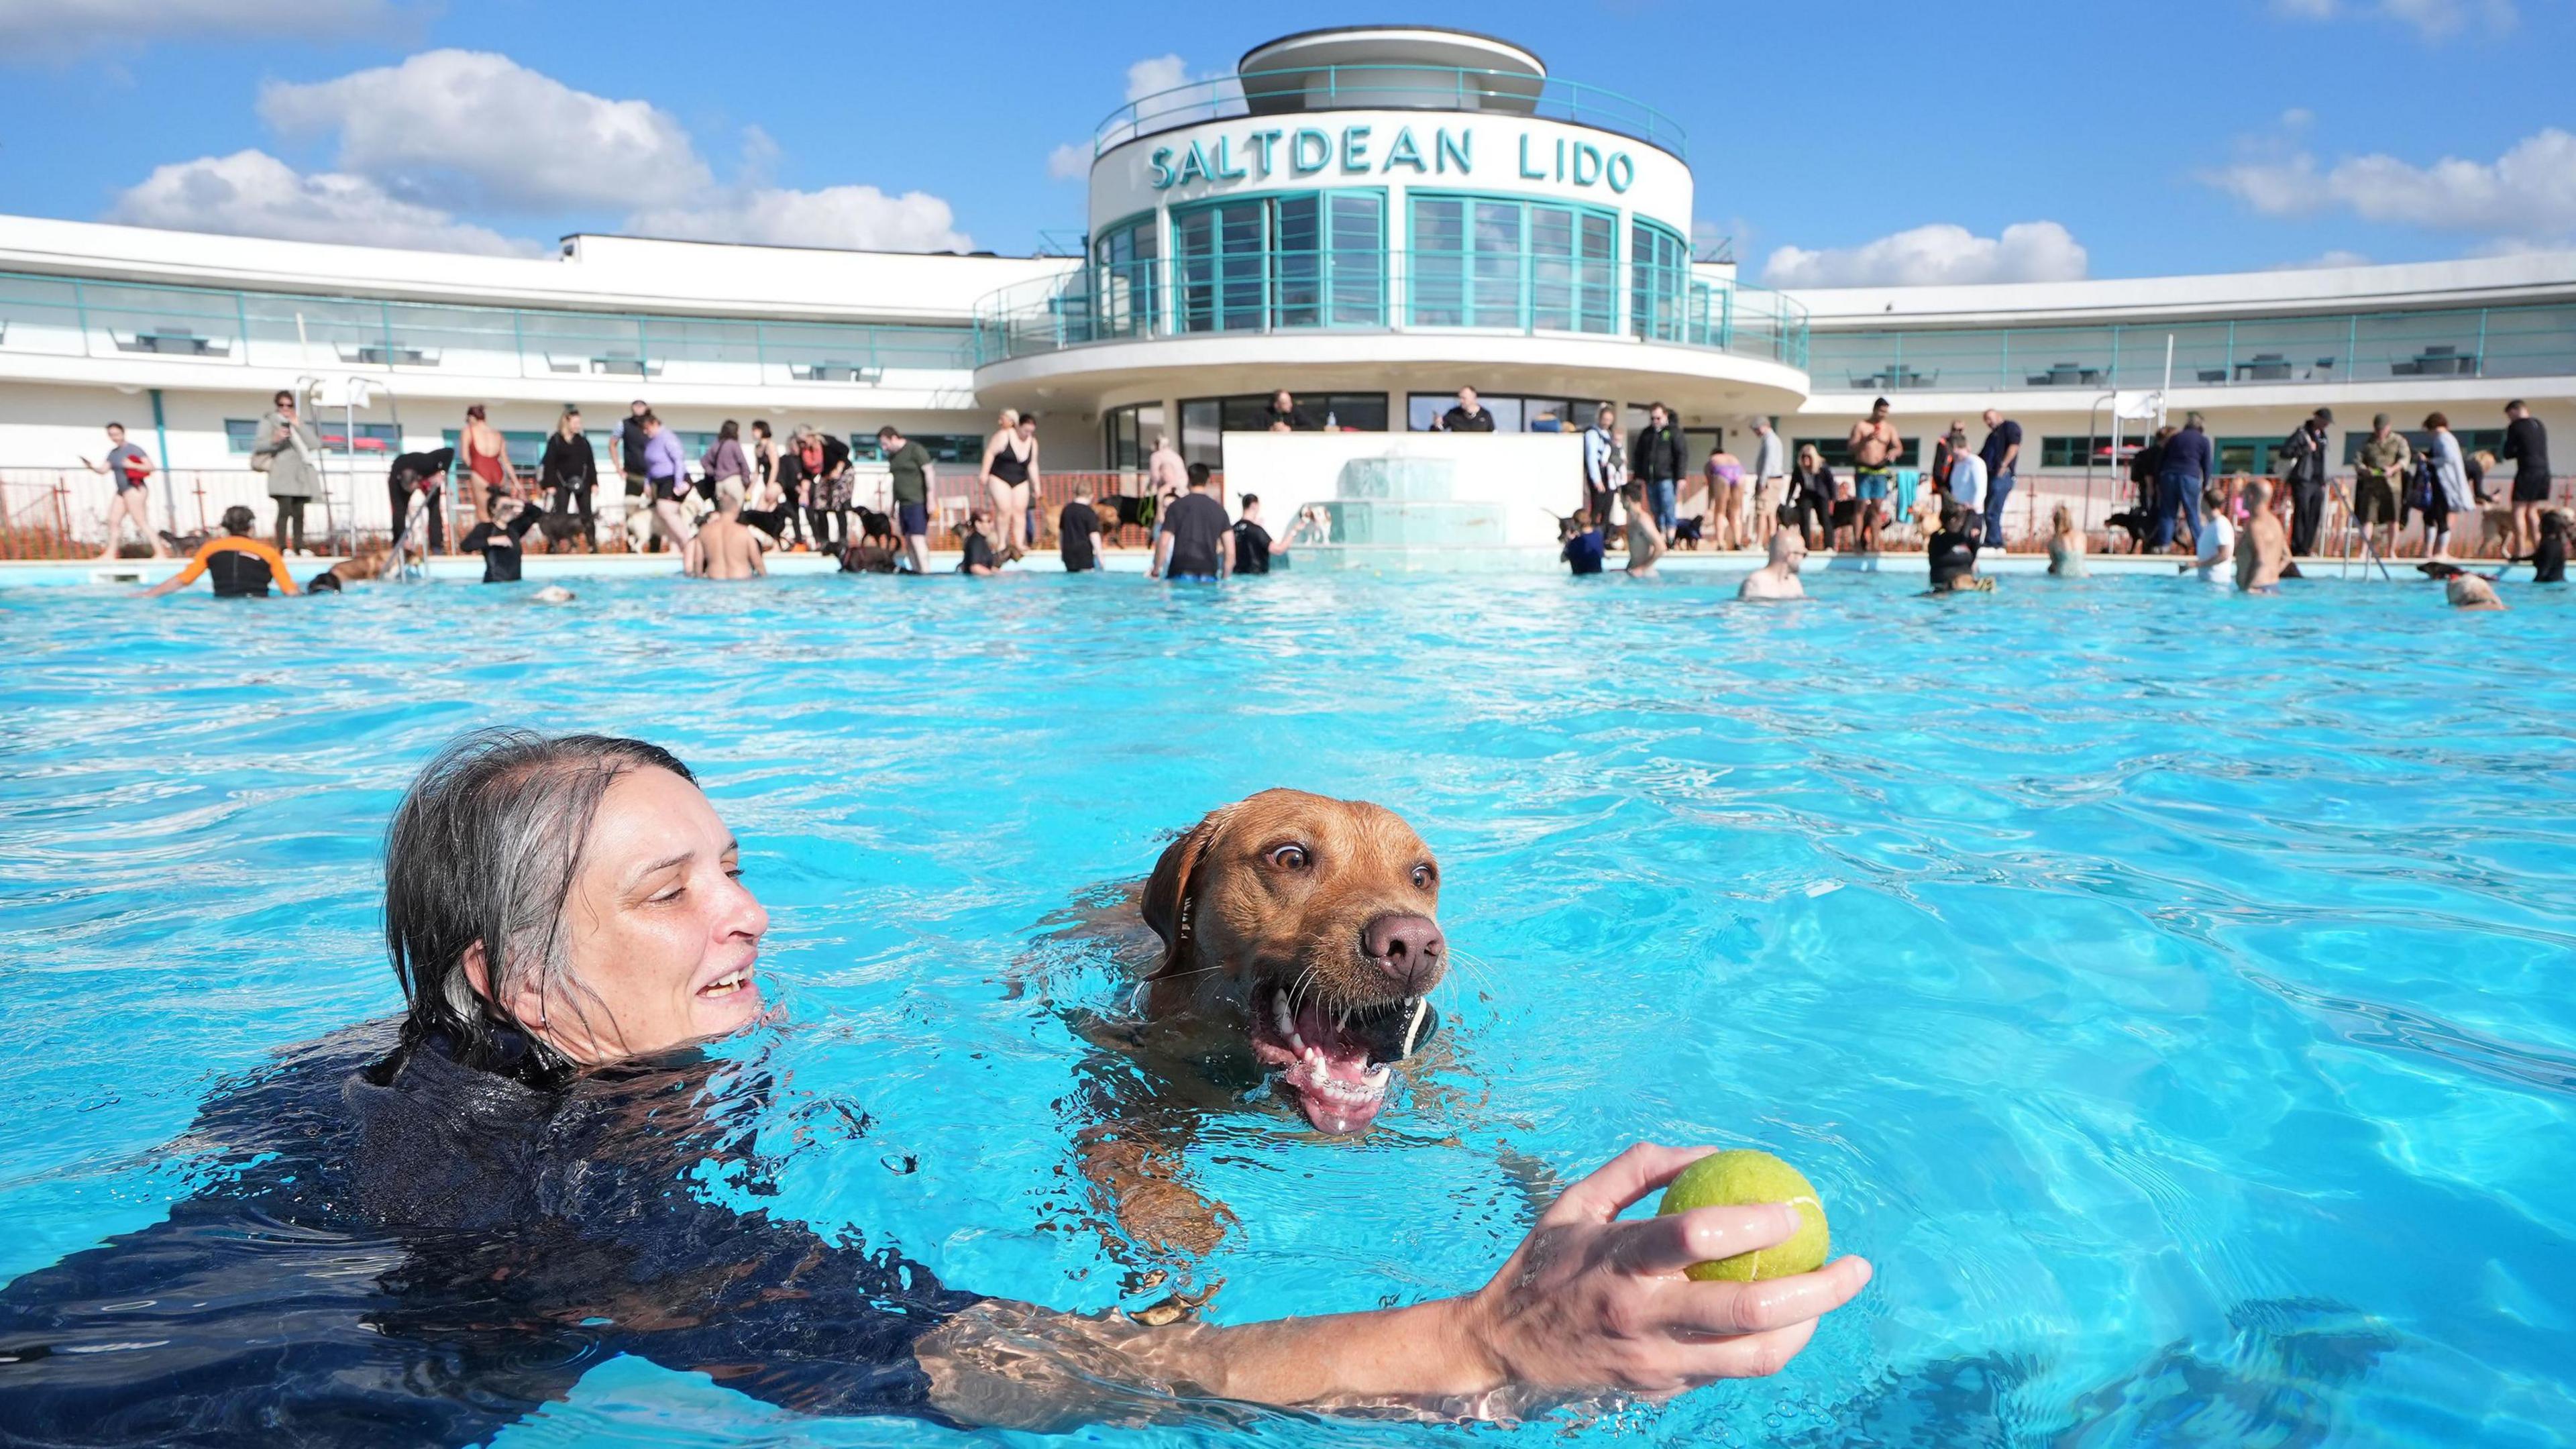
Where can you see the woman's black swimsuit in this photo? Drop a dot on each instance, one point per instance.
(402, 1249)
(1010, 467)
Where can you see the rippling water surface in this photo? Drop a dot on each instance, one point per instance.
(2171, 992)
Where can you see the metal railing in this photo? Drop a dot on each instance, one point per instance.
(1296, 90)
(2429, 346)
(89, 317)
(1356, 290)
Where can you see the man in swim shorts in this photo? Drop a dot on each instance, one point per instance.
(241, 566)
(1874, 451)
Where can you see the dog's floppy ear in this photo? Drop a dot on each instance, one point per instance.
(1167, 892)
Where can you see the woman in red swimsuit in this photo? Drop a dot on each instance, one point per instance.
(485, 457)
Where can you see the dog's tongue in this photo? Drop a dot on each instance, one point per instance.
(1332, 1080)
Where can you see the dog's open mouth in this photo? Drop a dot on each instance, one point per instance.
(1336, 1062)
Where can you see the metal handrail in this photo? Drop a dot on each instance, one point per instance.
(1391, 87)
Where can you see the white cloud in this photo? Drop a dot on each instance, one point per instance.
(2433, 19)
(1155, 73)
(1070, 160)
(446, 121)
(57, 28)
(854, 217)
(1941, 254)
(2528, 193)
(251, 193)
(2333, 258)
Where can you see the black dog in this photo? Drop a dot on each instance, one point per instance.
(2134, 522)
(1686, 530)
(876, 528)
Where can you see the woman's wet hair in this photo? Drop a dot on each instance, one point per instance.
(484, 849)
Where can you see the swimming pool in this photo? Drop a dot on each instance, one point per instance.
(2167, 990)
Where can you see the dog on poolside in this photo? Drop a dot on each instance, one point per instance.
(2136, 523)
(877, 530)
(1285, 941)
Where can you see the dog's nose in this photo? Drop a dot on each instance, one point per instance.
(1409, 949)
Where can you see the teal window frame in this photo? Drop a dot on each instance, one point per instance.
(1269, 286)
(1658, 290)
(1127, 280)
(1463, 285)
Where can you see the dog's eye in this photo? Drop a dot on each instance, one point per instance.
(1423, 876)
(1289, 857)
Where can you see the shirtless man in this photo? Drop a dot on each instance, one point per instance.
(2265, 546)
(1166, 476)
(727, 547)
(1874, 451)
(1778, 579)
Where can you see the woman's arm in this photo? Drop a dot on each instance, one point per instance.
(1588, 1305)
(992, 445)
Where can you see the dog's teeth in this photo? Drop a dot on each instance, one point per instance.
(1287, 1023)
(1296, 1043)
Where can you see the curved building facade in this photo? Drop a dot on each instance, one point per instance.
(1369, 217)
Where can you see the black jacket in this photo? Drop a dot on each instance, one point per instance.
(568, 463)
(1657, 455)
(2305, 459)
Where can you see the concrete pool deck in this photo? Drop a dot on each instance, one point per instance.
(544, 568)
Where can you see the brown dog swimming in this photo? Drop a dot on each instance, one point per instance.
(1310, 924)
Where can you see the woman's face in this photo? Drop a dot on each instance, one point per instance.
(661, 929)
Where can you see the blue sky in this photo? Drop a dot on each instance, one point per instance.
(1836, 143)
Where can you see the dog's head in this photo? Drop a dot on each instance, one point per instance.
(1316, 920)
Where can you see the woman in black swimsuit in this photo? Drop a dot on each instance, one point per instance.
(1010, 476)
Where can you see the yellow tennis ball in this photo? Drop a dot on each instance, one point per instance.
(1734, 1178)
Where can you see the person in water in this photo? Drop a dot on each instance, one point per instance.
(500, 538)
(242, 566)
(1778, 579)
(2548, 557)
(2065, 544)
(418, 1233)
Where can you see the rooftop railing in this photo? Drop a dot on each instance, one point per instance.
(89, 317)
(1307, 89)
(1355, 291)
(2342, 347)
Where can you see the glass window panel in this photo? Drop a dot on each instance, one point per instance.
(1495, 284)
(1439, 283)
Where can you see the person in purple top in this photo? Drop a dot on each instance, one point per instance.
(666, 482)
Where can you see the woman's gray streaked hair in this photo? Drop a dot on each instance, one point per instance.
(484, 848)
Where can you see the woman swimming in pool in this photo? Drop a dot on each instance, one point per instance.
(420, 1235)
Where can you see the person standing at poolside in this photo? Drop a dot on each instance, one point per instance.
(1605, 463)
(2182, 471)
(242, 566)
(1077, 533)
(910, 477)
(666, 482)
(781, 518)
(1010, 472)
(2266, 545)
(1770, 482)
(1969, 484)
(725, 458)
(2451, 496)
(568, 472)
(1874, 451)
(1655, 463)
(127, 468)
(2526, 446)
(1191, 546)
(288, 452)
(2378, 473)
(2304, 466)
(1469, 416)
(416, 495)
(626, 449)
(2001, 454)
(1725, 518)
(1811, 497)
(481, 446)
(1166, 477)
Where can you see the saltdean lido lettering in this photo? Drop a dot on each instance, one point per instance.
(1362, 150)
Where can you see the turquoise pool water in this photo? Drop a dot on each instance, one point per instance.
(2170, 992)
